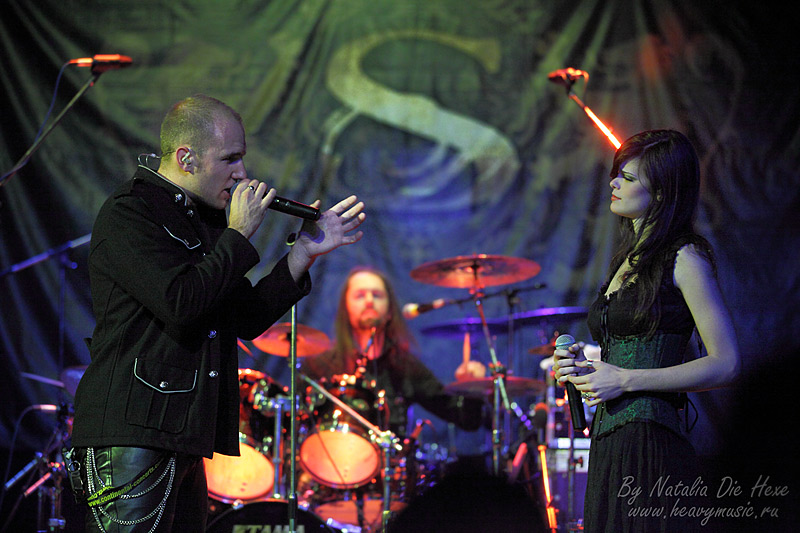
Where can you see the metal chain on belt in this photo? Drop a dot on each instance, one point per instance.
(92, 474)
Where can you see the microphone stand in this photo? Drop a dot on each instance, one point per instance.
(292, 489)
(498, 383)
(569, 82)
(24, 159)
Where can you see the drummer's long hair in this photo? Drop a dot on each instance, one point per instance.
(396, 330)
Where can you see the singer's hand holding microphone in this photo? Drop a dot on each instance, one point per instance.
(569, 360)
(249, 202)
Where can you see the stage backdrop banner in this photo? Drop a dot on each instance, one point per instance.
(440, 115)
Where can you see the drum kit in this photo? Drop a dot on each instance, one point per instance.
(354, 475)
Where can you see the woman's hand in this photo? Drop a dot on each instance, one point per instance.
(598, 381)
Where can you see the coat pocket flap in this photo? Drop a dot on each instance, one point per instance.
(164, 378)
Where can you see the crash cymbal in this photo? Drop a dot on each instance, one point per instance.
(515, 386)
(277, 339)
(549, 315)
(71, 376)
(457, 328)
(475, 271)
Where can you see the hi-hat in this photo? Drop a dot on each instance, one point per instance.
(277, 340)
(515, 386)
(476, 271)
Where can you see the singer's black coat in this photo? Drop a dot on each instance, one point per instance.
(170, 298)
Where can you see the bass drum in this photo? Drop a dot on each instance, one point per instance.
(271, 515)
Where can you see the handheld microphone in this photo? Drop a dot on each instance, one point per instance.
(296, 209)
(413, 310)
(576, 413)
(103, 62)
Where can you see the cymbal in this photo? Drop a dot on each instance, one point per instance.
(277, 339)
(515, 386)
(42, 379)
(543, 349)
(457, 328)
(543, 315)
(71, 376)
(477, 270)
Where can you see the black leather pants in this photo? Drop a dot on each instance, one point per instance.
(185, 506)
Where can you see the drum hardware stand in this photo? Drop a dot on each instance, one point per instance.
(499, 393)
(552, 442)
(278, 407)
(512, 299)
(52, 471)
(499, 389)
(56, 471)
(571, 521)
(61, 252)
(571, 473)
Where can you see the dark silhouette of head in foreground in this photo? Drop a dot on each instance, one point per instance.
(467, 500)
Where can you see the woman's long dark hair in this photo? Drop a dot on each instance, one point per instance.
(396, 329)
(669, 164)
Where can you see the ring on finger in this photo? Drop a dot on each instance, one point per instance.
(586, 395)
(251, 188)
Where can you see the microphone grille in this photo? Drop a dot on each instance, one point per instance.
(563, 341)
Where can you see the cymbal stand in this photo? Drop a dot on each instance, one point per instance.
(500, 394)
(61, 252)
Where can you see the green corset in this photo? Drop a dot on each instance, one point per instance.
(662, 350)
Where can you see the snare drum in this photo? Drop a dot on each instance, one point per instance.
(250, 476)
(340, 451)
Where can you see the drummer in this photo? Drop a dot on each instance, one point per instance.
(373, 342)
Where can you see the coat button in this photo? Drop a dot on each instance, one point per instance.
(163, 384)
(178, 197)
(213, 374)
(190, 213)
(212, 334)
